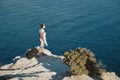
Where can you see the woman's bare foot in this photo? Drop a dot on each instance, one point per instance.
(44, 54)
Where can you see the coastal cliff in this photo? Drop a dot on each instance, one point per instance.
(50, 67)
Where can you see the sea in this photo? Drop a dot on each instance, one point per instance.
(91, 24)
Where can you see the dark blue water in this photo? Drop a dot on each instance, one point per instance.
(69, 24)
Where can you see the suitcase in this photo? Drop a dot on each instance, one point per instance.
(32, 53)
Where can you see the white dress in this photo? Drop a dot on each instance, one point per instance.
(44, 37)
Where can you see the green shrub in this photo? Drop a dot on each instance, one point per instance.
(82, 61)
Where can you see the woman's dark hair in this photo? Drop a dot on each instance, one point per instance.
(42, 25)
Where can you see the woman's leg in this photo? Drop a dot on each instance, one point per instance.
(42, 49)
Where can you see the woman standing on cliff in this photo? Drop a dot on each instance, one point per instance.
(42, 38)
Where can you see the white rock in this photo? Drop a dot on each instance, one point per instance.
(109, 76)
(45, 68)
(82, 77)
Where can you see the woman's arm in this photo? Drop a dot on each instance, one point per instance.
(43, 37)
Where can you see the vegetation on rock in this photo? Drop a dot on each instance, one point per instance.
(82, 61)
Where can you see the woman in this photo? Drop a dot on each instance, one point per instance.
(42, 38)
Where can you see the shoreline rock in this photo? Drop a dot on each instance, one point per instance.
(82, 61)
(50, 67)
